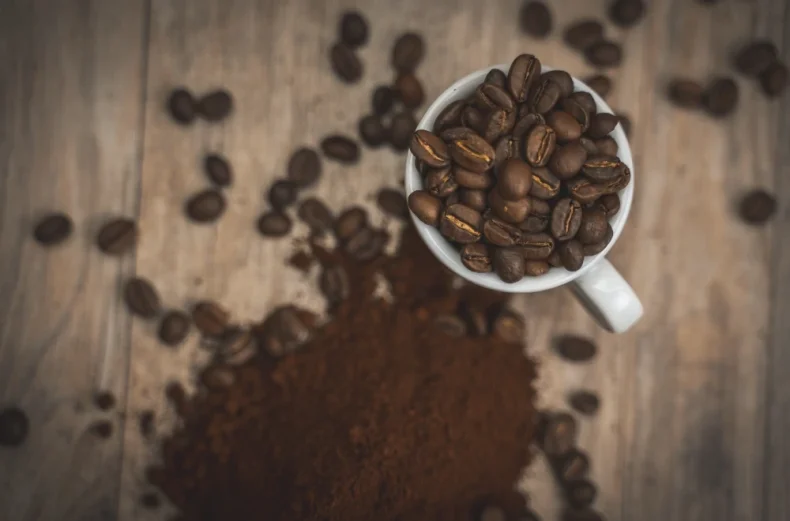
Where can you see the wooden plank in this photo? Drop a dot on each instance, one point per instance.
(70, 132)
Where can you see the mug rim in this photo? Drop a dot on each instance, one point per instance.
(450, 256)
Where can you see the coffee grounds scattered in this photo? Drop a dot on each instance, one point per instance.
(379, 415)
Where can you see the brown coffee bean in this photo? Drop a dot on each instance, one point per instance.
(349, 222)
(536, 268)
(561, 78)
(618, 183)
(506, 148)
(602, 124)
(496, 77)
(544, 96)
(508, 264)
(449, 135)
(604, 168)
(409, 90)
(575, 348)
(491, 97)
(684, 93)
(515, 180)
(584, 33)
(450, 325)
(215, 106)
(174, 328)
(274, 224)
(523, 72)
(53, 229)
(499, 123)
(472, 180)
(430, 149)
(721, 97)
(559, 436)
(117, 236)
(567, 161)
(586, 101)
(393, 203)
(182, 106)
(535, 19)
(755, 57)
(539, 206)
(474, 119)
(510, 211)
(383, 99)
(372, 131)
(14, 427)
(353, 29)
(282, 194)
(366, 244)
(104, 400)
(141, 297)
(593, 226)
(585, 402)
(572, 466)
(334, 284)
(316, 215)
(545, 185)
(774, 79)
(441, 182)
(571, 254)
(472, 152)
(539, 145)
(580, 493)
(536, 246)
(587, 514)
(577, 109)
(594, 249)
(401, 130)
(566, 218)
(451, 115)
(604, 53)
(584, 190)
(606, 146)
(206, 206)
(757, 207)
(477, 257)
(609, 204)
(535, 223)
(509, 326)
(340, 148)
(565, 126)
(283, 332)
(461, 224)
(210, 318)
(599, 83)
(524, 125)
(475, 199)
(501, 233)
(407, 52)
(626, 13)
(304, 167)
(345, 63)
(218, 170)
(554, 259)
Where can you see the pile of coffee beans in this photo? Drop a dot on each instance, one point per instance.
(522, 175)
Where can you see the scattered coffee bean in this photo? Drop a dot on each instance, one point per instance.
(757, 207)
(425, 206)
(206, 206)
(353, 29)
(350, 222)
(523, 72)
(316, 215)
(393, 203)
(345, 63)
(372, 131)
(366, 244)
(477, 257)
(215, 106)
(430, 149)
(450, 325)
(684, 93)
(409, 90)
(210, 318)
(604, 53)
(340, 148)
(14, 427)
(509, 264)
(284, 331)
(282, 194)
(572, 466)
(177, 396)
(101, 429)
(535, 19)
(53, 229)
(600, 84)
(104, 400)
(218, 377)
(218, 170)
(304, 167)
(721, 97)
(334, 284)
(509, 326)
(580, 493)
(774, 79)
(117, 236)
(174, 328)
(407, 52)
(274, 224)
(566, 218)
(575, 348)
(141, 297)
(401, 130)
(755, 57)
(182, 106)
(559, 436)
(583, 34)
(383, 99)
(626, 13)
(585, 402)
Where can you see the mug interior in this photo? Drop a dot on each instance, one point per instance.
(450, 256)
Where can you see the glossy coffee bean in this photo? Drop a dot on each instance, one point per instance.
(721, 97)
(514, 180)
(353, 29)
(345, 63)
(53, 229)
(545, 95)
(567, 160)
(545, 185)
(410, 91)
(536, 268)
(496, 77)
(450, 116)
(206, 206)
(218, 170)
(604, 168)
(506, 147)
(477, 257)
(475, 199)
(141, 297)
(340, 148)
(535, 19)
(372, 131)
(606, 146)
(565, 126)
(474, 118)
(304, 167)
(473, 153)
(182, 106)
(561, 78)
(554, 259)
(491, 97)
(510, 211)
(174, 328)
(598, 247)
(274, 224)
(425, 206)
(604, 53)
(501, 233)
(586, 101)
(408, 52)
(566, 218)
(609, 204)
(523, 72)
(440, 182)
(593, 226)
(539, 145)
(536, 246)
(472, 180)
(216, 105)
(498, 124)
(571, 254)
(315, 214)
(584, 33)
(602, 124)
(508, 264)
(430, 149)
(579, 112)
(525, 123)
(584, 190)
(117, 236)
(461, 224)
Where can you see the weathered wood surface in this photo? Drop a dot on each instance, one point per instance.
(694, 399)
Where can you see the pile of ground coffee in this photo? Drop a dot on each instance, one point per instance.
(382, 413)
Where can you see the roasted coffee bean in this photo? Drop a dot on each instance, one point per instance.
(626, 13)
(585, 402)
(182, 106)
(461, 224)
(283, 332)
(757, 207)
(104, 400)
(577, 109)
(218, 377)
(472, 180)
(609, 204)
(353, 29)
(544, 96)
(508, 264)
(559, 436)
(408, 52)
(14, 427)
(215, 106)
(477, 257)
(599, 83)
(602, 124)
(441, 182)
(567, 160)
(117, 236)
(349, 222)
(593, 226)
(525, 124)
(334, 284)
(383, 99)
(554, 259)
(774, 79)
(721, 97)
(685, 93)
(580, 493)
(575, 348)
(586, 101)
(536, 246)
(473, 118)
(539, 206)
(535, 223)
(174, 328)
(566, 218)
(409, 90)
(545, 185)
(472, 152)
(53, 229)
(509, 326)
(755, 57)
(618, 183)
(499, 123)
(496, 77)
(274, 224)
(535, 19)
(539, 145)
(315, 215)
(366, 244)
(101, 429)
(449, 135)
(510, 211)
(565, 126)
(584, 33)
(594, 249)
(514, 180)
(475, 199)
(430, 149)
(401, 130)
(587, 514)
(218, 170)
(523, 72)
(572, 466)
(205, 206)
(603, 169)
(340, 148)
(501, 233)
(604, 53)
(392, 202)
(141, 297)
(450, 325)
(345, 63)
(491, 97)
(372, 131)
(304, 167)
(506, 148)
(536, 268)
(561, 78)
(584, 190)
(282, 194)
(571, 254)
(210, 318)
(451, 115)
(606, 146)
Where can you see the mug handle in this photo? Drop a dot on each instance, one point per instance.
(606, 295)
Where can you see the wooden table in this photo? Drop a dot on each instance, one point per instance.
(695, 398)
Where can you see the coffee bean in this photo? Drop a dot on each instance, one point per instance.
(561, 78)
(567, 161)
(274, 224)
(461, 224)
(499, 123)
(316, 215)
(472, 152)
(604, 168)
(544, 96)
(440, 182)
(501, 233)
(584, 190)
(565, 126)
(523, 126)
(366, 244)
(349, 222)
(609, 204)
(571, 254)
(353, 29)
(372, 131)
(566, 218)
(496, 77)
(450, 116)
(408, 52)
(210, 318)
(473, 118)
(101, 429)
(535, 19)
(345, 63)
(721, 97)
(218, 170)
(340, 148)
(604, 54)
(755, 57)
(606, 146)
(626, 13)
(575, 348)
(509, 326)
(450, 325)
(506, 148)
(545, 185)
(236, 346)
(430, 149)
(572, 466)
(104, 400)
(757, 207)
(472, 180)
(585, 402)
(586, 101)
(334, 284)
(282, 194)
(536, 246)
(284, 332)
(14, 427)
(582, 34)
(594, 249)
(580, 493)
(602, 124)
(589, 514)
(216, 105)
(593, 226)
(539, 145)
(600, 84)
(218, 377)
(383, 99)
(141, 297)
(491, 97)
(205, 206)
(578, 109)
(174, 328)
(477, 257)
(117, 236)
(509, 264)
(535, 223)
(684, 93)
(539, 206)
(182, 106)
(536, 268)
(425, 206)
(401, 130)
(510, 211)
(515, 180)
(53, 229)
(559, 436)
(523, 72)
(475, 199)
(554, 259)
(304, 167)
(774, 79)
(393, 203)
(409, 90)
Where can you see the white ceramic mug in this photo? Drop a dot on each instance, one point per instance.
(598, 285)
